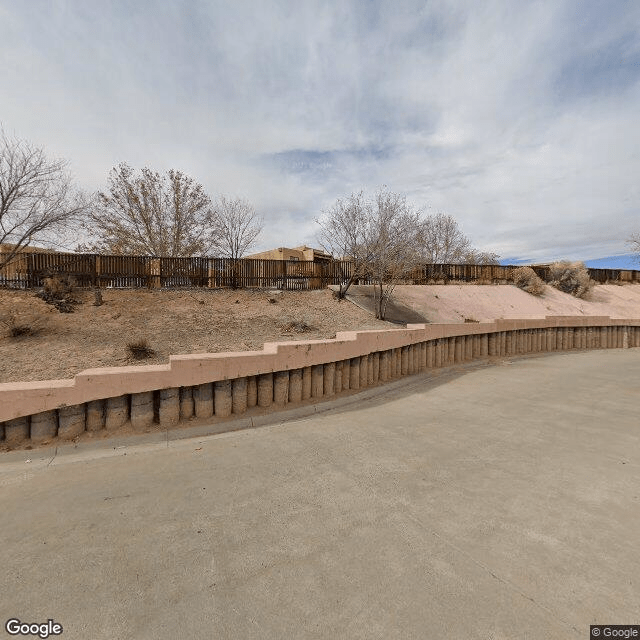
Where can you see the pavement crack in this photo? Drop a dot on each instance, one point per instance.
(55, 453)
(494, 575)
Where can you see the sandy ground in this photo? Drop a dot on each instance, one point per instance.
(457, 303)
(213, 321)
(173, 322)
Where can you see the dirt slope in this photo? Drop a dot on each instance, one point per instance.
(174, 322)
(201, 321)
(455, 303)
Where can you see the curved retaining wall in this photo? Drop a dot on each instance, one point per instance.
(219, 386)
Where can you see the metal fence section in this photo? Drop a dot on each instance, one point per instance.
(28, 270)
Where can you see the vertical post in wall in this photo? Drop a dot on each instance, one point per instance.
(239, 396)
(385, 357)
(337, 378)
(306, 383)
(295, 385)
(354, 373)
(346, 374)
(364, 371)
(468, 348)
(423, 356)
(437, 353)
(430, 346)
(485, 345)
(376, 366)
(508, 343)
(329, 373)
(265, 390)
(492, 344)
(452, 351)
(404, 361)
(280, 388)
(317, 381)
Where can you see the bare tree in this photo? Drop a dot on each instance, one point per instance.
(37, 200)
(378, 237)
(634, 244)
(342, 234)
(393, 241)
(386, 238)
(237, 227)
(152, 214)
(473, 256)
(443, 241)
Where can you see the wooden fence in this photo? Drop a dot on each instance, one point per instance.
(29, 270)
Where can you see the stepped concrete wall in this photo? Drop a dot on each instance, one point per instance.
(223, 385)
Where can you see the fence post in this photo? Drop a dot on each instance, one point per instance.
(153, 273)
(30, 270)
(211, 273)
(97, 269)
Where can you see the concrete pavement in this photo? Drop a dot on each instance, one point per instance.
(485, 502)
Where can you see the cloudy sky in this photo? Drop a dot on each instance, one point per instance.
(519, 118)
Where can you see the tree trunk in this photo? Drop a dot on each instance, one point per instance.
(378, 301)
(343, 288)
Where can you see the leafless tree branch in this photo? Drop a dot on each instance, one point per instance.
(37, 200)
(237, 227)
(152, 214)
(378, 236)
(385, 238)
(633, 243)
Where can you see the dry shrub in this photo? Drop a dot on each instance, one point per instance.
(140, 349)
(527, 279)
(296, 326)
(58, 286)
(19, 327)
(57, 290)
(571, 277)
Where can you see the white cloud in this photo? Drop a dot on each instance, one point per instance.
(517, 118)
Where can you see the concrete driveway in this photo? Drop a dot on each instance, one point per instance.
(487, 502)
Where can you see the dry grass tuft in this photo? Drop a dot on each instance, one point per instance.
(140, 349)
(17, 327)
(57, 290)
(58, 286)
(297, 326)
(527, 279)
(571, 277)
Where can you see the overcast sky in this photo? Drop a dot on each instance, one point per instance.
(519, 118)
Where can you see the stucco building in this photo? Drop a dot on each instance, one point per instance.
(301, 254)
